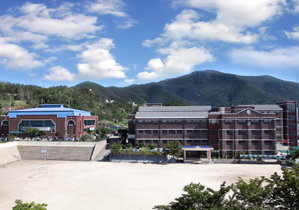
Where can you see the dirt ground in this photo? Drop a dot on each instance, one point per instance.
(113, 186)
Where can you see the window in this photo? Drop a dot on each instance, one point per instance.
(228, 122)
(255, 132)
(213, 132)
(241, 121)
(179, 132)
(155, 132)
(147, 132)
(165, 141)
(243, 143)
(189, 131)
(267, 121)
(45, 125)
(268, 132)
(254, 121)
(229, 132)
(292, 125)
(140, 132)
(213, 142)
(171, 132)
(242, 132)
(171, 122)
(291, 108)
(269, 143)
(255, 143)
(164, 132)
(213, 122)
(89, 122)
(229, 143)
(71, 122)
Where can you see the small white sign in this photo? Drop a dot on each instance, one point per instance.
(43, 151)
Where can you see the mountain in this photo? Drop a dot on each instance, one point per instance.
(207, 87)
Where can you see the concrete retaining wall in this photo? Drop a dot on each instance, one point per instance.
(9, 153)
(79, 151)
(99, 147)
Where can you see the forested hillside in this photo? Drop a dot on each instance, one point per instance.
(198, 88)
(17, 96)
(205, 88)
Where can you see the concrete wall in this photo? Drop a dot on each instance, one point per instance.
(99, 147)
(77, 151)
(9, 153)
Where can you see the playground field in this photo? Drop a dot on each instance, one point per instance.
(109, 186)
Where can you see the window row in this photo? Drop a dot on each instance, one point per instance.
(253, 121)
(41, 124)
(170, 132)
(171, 122)
(256, 143)
(156, 142)
(252, 132)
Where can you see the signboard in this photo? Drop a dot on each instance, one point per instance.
(43, 151)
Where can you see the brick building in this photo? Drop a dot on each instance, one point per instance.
(54, 119)
(253, 129)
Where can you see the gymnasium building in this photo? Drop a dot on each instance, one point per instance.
(52, 119)
(207, 131)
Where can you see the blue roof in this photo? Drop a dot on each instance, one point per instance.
(195, 146)
(49, 109)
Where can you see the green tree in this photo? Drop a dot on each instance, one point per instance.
(128, 150)
(31, 132)
(173, 148)
(198, 196)
(277, 192)
(85, 137)
(285, 189)
(294, 154)
(254, 194)
(102, 131)
(28, 206)
(116, 147)
(144, 152)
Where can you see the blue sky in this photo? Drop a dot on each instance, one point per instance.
(123, 42)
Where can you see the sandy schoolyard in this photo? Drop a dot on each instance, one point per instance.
(113, 186)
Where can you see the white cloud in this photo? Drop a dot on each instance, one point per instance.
(231, 23)
(128, 81)
(15, 57)
(99, 63)
(280, 58)
(39, 21)
(58, 73)
(240, 12)
(296, 5)
(115, 8)
(112, 7)
(178, 62)
(71, 47)
(294, 34)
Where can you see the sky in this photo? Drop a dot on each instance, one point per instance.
(123, 42)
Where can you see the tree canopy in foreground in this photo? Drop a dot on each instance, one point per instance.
(277, 192)
(28, 206)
